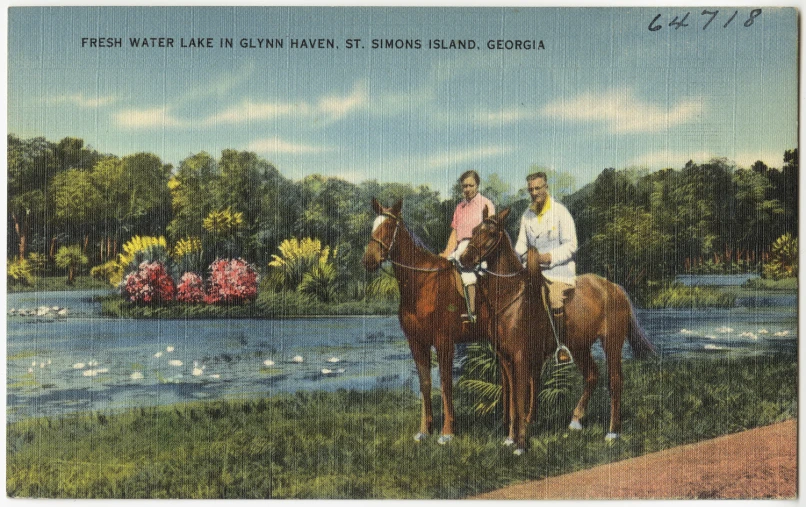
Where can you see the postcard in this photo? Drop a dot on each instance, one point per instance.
(402, 252)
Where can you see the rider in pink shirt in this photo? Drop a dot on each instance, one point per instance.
(468, 214)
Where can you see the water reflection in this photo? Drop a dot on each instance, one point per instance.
(86, 362)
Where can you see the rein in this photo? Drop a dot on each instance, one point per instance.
(386, 256)
(495, 245)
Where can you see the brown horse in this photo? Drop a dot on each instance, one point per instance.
(430, 315)
(598, 309)
(430, 308)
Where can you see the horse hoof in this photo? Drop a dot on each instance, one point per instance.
(444, 439)
(575, 425)
(509, 442)
(419, 437)
(611, 436)
(519, 452)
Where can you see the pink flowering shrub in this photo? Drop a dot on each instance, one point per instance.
(190, 288)
(231, 281)
(151, 283)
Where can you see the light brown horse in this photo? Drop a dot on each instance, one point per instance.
(598, 309)
(430, 315)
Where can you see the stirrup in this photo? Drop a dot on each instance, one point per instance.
(469, 318)
(562, 356)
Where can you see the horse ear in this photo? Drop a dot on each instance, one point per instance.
(503, 214)
(485, 212)
(376, 206)
(397, 207)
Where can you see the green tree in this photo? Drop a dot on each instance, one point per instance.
(70, 257)
(783, 261)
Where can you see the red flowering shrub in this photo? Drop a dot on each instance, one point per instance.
(151, 283)
(190, 288)
(231, 281)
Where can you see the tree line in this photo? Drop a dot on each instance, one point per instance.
(633, 226)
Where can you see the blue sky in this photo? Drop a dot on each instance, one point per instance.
(605, 92)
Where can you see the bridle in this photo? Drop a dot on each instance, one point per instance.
(483, 254)
(394, 236)
(388, 248)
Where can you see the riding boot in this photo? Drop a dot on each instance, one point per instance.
(563, 354)
(470, 302)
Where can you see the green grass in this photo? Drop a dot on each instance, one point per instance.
(288, 305)
(359, 445)
(785, 284)
(55, 283)
(677, 295)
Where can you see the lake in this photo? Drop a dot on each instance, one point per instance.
(84, 361)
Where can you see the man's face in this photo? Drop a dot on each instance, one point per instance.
(538, 190)
(469, 187)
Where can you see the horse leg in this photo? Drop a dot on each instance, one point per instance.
(445, 358)
(521, 389)
(590, 376)
(422, 358)
(616, 384)
(507, 399)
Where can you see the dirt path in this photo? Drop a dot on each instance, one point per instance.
(759, 463)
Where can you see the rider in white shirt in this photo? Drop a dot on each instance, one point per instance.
(548, 226)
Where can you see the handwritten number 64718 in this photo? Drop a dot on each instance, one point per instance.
(678, 23)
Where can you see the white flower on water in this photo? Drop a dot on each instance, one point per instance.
(724, 329)
(268, 362)
(175, 362)
(137, 375)
(333, 360)
(763, 331)
(196, 370)
(686, 331)
(215, 375)
(93, 373)
(781, 333)
(79, 366)
(748, 334)
(169, 348)
(297, 359)
(158, 354)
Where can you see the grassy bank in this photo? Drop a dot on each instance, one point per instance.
(56, 283)
(677, 295)
(359, 445)
(270, 306)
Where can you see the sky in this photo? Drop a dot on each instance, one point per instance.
(606, 91)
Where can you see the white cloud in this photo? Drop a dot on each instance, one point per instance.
(330, 108)
(337, 107)
(155, 117)
(80, 100)
(277, 145)
(257, 111)
(622, 111)
(463, 156)
(504, 116)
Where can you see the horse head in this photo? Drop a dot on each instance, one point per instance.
(384, 233)
(486, 238)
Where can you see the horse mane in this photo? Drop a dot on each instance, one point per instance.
(418, 242)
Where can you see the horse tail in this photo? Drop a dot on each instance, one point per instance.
(639, 343)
